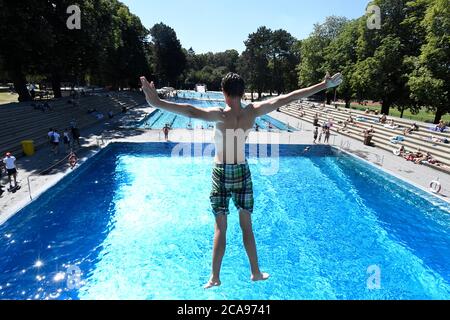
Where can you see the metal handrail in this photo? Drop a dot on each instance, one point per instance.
(45, 170)
(344, 144)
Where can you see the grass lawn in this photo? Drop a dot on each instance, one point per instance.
(6, 97)
(423, 115)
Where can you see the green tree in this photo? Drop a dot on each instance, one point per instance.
(169, 58)
(110, 47)
(254, 64)
(341, 56)
(209, 68)
(283, 60)
(128, 52)
(385, 50)
(430, 80)
(313, 64)
(24, 36)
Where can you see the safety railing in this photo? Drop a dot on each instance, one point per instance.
(46, 170)
(345, 145)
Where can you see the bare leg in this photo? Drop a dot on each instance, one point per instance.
(220, 241)
(245, 219)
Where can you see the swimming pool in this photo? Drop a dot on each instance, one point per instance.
(136, 224)
(212, 95)
(159, 118)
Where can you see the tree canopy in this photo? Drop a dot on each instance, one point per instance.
(404, 64)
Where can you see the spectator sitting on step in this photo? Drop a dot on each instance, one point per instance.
(414, 155)
(423, 158)
(401, 151)
(441, 127)
(350, 119)
(368, 135)
(432, 160)
(383, 119)
(437, 139)
(391, 125)
(414, 127)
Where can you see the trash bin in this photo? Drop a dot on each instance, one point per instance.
(28, 147)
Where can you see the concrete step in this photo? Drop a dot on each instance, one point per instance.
(380, 141)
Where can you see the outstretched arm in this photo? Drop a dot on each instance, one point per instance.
(273, 104)
(207, 114)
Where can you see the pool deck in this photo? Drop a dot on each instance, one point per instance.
(118, 130)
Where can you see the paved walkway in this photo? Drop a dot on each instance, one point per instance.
(119, 130)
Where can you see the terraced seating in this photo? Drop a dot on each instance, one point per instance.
(423, 127)
(19, 121)
(382, 136)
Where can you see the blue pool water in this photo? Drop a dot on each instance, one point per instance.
(136, 224)
(159, 118)
(212, 95)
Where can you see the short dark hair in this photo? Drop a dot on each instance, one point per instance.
(233, 85)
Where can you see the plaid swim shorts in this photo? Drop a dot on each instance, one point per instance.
(231, 181)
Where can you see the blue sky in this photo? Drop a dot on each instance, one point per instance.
(218, 25)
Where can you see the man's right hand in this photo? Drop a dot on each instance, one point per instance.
(151, 95)
(333, 81)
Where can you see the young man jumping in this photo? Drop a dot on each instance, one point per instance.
(231, 177)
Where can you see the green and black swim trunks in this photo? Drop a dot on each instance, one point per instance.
(231, 181)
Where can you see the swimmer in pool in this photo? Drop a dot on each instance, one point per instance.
(231, 176)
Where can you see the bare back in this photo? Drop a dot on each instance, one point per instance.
(231, 134)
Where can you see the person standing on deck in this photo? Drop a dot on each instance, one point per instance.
(231, 176)
(10, 164)
(166, 131)
(327, 135)
(316, 134)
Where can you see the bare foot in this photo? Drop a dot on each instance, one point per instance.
(260, 277)
(212, 283)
